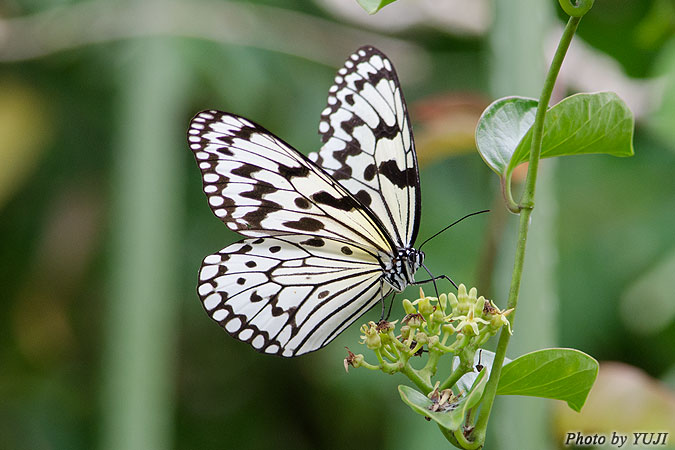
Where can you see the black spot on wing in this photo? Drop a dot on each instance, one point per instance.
(255, 217)
(369, 172)
(291, 172)
(259, 191)
(351, 123)
(384, 131)
(343, 203)
(343, 173)
(305, 224)
(246, 170)
(364, 197)
(314, 242)
(302, 203)
(399, 178)
(225, 150)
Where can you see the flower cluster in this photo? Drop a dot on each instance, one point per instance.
(450, 324)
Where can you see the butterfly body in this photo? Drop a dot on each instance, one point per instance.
(400, 272)
(328, 235)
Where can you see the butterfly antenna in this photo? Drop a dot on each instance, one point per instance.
(453, 223)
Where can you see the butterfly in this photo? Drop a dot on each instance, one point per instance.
(327, 236)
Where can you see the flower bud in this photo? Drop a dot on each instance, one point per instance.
(421, 338)
(480, 303)
(438, 316)
(461, 292)
(408, 307)
(443, 301)
(424, 306)
(373, 341)
(452, 299)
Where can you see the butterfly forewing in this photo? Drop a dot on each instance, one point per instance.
(259, 186)
(368, 144)
(290, 294)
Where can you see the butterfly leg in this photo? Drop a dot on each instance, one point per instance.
(382, 316)
(433, 280)
(390, 305)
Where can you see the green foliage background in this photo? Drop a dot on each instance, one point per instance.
(73, 122)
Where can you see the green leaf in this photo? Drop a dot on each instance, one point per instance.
(500, 129)
(453, 418)
(580, 124)
(373, 6)
(583, 124)
(558, 373)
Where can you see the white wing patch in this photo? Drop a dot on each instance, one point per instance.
(291, 294)
(368, 144)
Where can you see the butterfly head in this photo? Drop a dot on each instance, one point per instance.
(400, 272)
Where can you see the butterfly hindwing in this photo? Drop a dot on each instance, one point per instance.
(368, 145)
(290, 294)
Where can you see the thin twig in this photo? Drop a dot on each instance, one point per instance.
(260, 26)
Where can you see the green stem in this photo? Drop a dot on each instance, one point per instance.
(526, 205)
(463, 441)
(414, 376)
(506, 193)
(577, 9)
(455, 376)
(527, 201)
(450, 436)
(429, 368)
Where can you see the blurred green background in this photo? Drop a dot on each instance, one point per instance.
(103, 225)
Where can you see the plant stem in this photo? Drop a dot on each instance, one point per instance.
(415, 377)
(455, 376)
(137, 404)
(526, 205)
(527, 201)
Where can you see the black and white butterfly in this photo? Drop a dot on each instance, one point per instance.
(329, 235)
